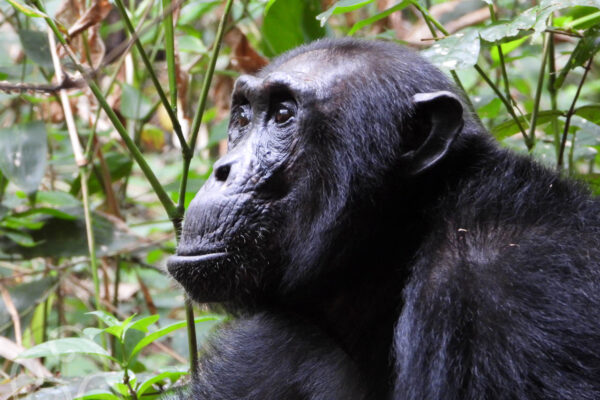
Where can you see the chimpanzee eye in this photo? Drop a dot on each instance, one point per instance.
(283, 114)
(243, 117)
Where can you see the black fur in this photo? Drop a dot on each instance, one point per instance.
(379, 245)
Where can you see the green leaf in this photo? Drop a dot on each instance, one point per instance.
(30, 12)
(20, 238)
(361, 24)
(171, 375)
(65, 346)
(501, 31)
(98, 395)
(491, 109)
(341, 7)
(510, 127)
(591, 112)
(134, 104)
(47, 211)
(506, 49)
(585, 49)
(142, 324)
(91, 333)
(37, 48)
(61, 237)
(105, 317)
(168, 329)
(23, 154)
(288, 24)
(458, 51)
(56, 198)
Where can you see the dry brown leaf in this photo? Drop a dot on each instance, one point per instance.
(93, 15)
(244, 58)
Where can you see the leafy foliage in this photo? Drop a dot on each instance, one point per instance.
(94, 179)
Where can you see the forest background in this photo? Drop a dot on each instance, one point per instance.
(113, 111)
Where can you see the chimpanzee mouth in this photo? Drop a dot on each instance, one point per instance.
(177, 262)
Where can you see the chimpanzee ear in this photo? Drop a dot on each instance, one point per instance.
(444, 113)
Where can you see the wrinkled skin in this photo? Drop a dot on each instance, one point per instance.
(375, 243)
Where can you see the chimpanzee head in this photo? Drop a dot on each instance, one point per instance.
(315, 142)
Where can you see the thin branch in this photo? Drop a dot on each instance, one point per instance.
(570, 113)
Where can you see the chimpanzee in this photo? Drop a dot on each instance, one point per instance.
(374, 242)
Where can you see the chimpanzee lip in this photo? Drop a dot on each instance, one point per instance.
(178, 261)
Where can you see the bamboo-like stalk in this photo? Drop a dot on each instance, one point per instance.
(538, 91)
(162, 195)
(81, 162)
(170, 107)
(170, 53)
(570, 113)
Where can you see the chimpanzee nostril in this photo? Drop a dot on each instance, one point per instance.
(222, 172)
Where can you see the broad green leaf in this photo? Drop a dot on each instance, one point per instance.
(21, 238)
(105, 317)
(506, 49)
(61, 237)
(491, 109)
(56, 198)
(510, 127)
(502, 30)
(168, 329)
(91, 333)
(585, 49)
(37, 48)
(30, 12)
(341, 7)
(591, 112)
(171, 375)
(548, 7)
(288, 24)
(23, 154)
(361, 24)
(65, 346)
(98, 395)
(134, 104)
(47, 211)
(19, 222)
(142, 324)
(458, 51)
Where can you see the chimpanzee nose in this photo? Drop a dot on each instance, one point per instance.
(222, 171)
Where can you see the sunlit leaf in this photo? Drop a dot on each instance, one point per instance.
(341, 7)
(168, 329)
(65, 346)
(30, 12)
(458, 51)
(171, 375)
